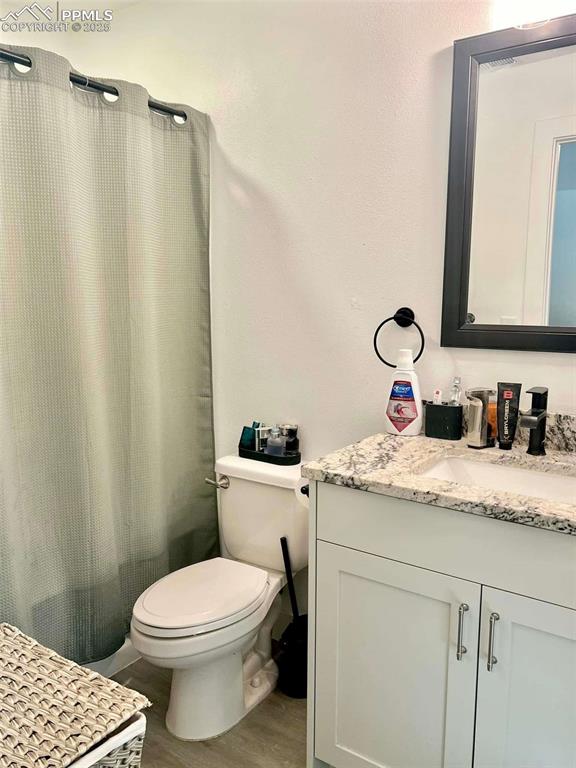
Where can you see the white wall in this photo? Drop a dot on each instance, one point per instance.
(329, 187)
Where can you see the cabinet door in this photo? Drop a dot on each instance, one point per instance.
(527, 700)
(390, 690)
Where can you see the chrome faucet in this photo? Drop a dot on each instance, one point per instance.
(478, 433)
(535, 421)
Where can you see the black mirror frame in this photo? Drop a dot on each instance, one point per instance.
(469, 53)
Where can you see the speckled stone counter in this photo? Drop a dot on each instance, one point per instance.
(391, 466)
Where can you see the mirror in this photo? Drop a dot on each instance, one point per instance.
(524, 193)
(510, 268)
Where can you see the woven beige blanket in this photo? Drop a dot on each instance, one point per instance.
(52, 710)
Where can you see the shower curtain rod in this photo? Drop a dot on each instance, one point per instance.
(94, 85)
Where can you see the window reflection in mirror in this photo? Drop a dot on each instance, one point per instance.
(562, 305)
(523, 233)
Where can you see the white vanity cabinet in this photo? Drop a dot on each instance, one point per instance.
(527, 693)
(389, 656)
(406, 601)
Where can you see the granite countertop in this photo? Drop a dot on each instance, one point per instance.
(390, 465)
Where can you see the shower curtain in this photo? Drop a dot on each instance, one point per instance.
(105, 374)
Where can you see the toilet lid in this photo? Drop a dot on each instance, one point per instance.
(202, 597)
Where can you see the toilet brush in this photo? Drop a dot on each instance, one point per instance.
(293, 658)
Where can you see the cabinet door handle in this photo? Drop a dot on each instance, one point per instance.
(461, 649)
(494, 617)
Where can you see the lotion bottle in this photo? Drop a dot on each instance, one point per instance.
(404, 411)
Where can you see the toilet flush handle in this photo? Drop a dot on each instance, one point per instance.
(223, 483)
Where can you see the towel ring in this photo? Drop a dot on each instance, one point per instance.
(404, 317)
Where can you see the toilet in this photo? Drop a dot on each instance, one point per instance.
(211, 623)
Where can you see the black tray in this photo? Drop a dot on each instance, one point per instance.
(284, 461)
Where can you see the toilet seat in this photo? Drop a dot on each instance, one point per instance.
(200, 598)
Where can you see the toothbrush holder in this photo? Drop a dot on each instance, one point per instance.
(443, 421)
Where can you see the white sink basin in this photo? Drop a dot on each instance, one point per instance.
(497, 477)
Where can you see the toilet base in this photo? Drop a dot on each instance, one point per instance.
(186, 722)
(206, 699)
(211, 696)
(260, 685)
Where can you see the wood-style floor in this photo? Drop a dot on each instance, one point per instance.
(273, 735)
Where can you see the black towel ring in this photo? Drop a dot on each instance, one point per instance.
(404, 317)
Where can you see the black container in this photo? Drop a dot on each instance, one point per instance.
(293, 659)
(443, 421)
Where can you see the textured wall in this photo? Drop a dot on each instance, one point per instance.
(329, 166)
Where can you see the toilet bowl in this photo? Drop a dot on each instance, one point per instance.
(211, 623)
(219, 651)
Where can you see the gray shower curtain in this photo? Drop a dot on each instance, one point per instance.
(105, 380)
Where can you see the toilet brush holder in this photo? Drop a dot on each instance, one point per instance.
(293, 658)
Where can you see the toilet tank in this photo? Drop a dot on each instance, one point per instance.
(262, 503)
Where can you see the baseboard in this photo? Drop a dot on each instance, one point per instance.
(111, 665)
